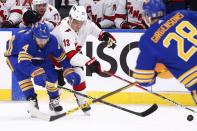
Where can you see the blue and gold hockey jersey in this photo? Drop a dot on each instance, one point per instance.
(172, 40)
(30, 56)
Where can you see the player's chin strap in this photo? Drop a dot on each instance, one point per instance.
(154, 93)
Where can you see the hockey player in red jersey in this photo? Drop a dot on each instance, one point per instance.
(71, 34)
(45, 13)
(129, 15)
(10, 14)
(101, 12)
(170, 40)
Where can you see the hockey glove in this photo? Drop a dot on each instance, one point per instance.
(124, 25)
(72, 77)
(7, 24)
(105, 36)
(93, 66)
(39, 77)
(31, 17)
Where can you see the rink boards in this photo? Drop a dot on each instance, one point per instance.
(120, 61)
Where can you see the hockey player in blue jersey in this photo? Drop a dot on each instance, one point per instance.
(27, 56)
(171, 40)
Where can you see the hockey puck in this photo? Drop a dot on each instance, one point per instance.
(190, 117)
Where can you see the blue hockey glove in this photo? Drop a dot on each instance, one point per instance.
(72, 77)
(39, 77)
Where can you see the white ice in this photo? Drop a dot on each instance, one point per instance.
(14, 117)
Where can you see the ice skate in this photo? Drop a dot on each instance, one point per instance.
(54, 105)
(80, 101)
(33, 103)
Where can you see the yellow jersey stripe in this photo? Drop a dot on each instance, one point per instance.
(26, 84)
(140, 76)
(10, 47)
(52, 90)
(38, 72)
(144, 71)
(189, 78)
(50, 84)
(144, 81)
(191, 83)
(27, 88)
(9, 63)
(61, 58)
(23, 59)
(187, 73)
(24, 81)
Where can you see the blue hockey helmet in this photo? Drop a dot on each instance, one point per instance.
(41, 31)
(154, 8)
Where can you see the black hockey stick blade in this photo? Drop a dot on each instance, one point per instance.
(52, 118)
(150, 110)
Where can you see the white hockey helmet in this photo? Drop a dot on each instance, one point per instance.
(39, 2)
(78, 13)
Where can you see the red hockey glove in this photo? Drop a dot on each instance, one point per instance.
(125, 25)
(93, 66)
(106, 36)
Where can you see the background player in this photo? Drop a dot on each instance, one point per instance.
(129, 15)
(49, 14)
(27, 56)
(71, 34)
(10, 14)
(101, 12)
(170, 40)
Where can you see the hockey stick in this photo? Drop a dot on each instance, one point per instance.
(142, 114)
(55, 117)
(154, 93)
(37, 113)
(29, 1)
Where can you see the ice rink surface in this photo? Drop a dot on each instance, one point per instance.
(14, 117)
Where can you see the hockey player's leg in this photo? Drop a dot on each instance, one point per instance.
(53, 92)
(82, 100)
(27, 88)
(24, 81)
(81, 89)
